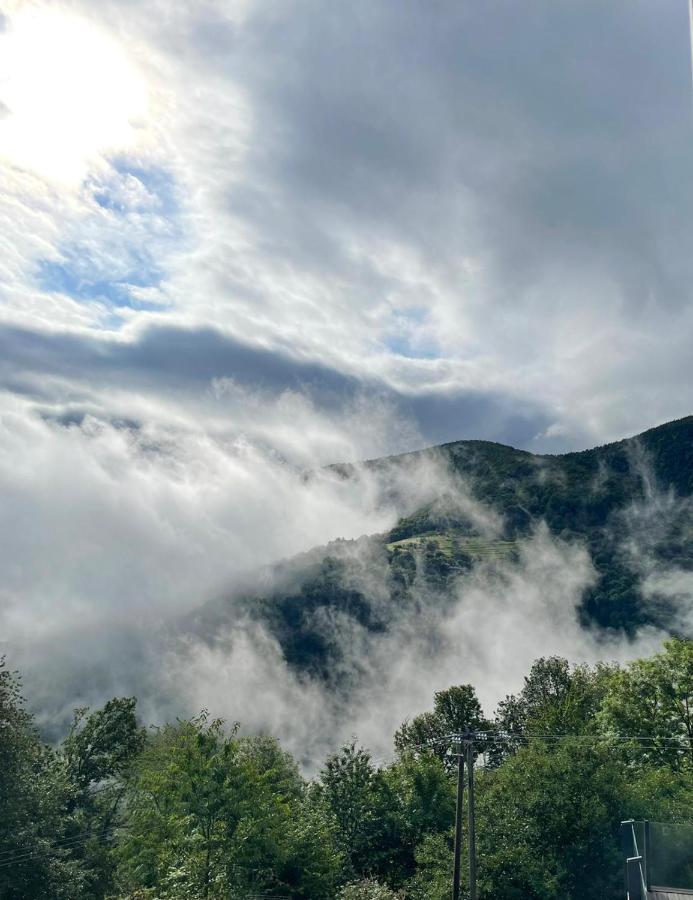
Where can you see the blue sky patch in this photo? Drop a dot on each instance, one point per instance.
(133, 186)
(125, 248)
(405, 339)
(82, 281)
(402, 346)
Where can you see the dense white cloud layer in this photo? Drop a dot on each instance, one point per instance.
(106, 522)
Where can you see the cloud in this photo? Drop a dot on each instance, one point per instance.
(199, 372)
(652, 534)
(112, 521)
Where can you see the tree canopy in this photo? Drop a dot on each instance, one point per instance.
(196, 809)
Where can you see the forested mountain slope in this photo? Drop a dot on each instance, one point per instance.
(627, 503)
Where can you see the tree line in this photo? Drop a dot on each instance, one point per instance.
(196, 809)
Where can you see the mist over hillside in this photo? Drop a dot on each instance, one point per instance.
(490, 557)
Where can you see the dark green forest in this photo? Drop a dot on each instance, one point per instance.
(198, 809)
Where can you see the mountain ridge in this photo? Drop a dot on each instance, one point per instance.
(626, 503)
(663, 426)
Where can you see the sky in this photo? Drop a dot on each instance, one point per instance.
(241, 239)
(480, 216)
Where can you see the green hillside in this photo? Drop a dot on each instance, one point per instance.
(627, 503)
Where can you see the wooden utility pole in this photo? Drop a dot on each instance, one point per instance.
(471, 833)
(458, 822)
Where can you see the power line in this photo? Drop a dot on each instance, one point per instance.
(7, 859)
(683, 742)
(74, 842)
(646, 742)
(487, 736)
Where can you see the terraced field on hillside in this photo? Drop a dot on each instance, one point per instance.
(453, 543)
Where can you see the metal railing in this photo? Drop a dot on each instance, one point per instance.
(658, 857)
(636, 858)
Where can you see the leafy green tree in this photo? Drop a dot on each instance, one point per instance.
(415, 798)
(652, 700)
(348, 786)
(548, 823)
(35, 853)
(556, 699)
(206, 818)
(278, 767)
(455, 710)
(547, 827)
(102, 744)
(311, 863)
(381, 814)
(97, 753)
(432, 879)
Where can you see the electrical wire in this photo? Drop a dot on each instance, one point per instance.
(8, 858)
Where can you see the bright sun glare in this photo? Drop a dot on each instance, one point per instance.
(67, 93)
